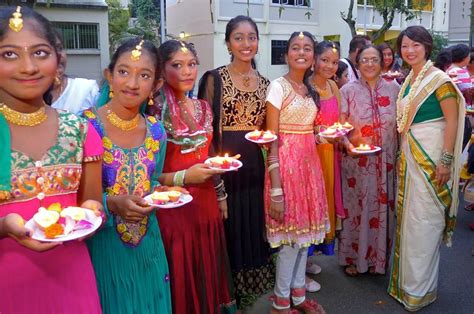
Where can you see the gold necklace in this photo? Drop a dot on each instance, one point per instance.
(125, 125)
(323, 92)
(23, 119)
(245, 76)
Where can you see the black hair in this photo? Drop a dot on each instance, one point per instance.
(341, 68)
(129, 45)
(323, 46)
(384, 46)
(419, 34)
(311, 91)
(233, 24)
(358, 42)
(170, 47)
(43, 29)
(459, 52)
(443, 59)
(472, 57)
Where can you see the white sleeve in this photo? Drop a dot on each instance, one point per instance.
(275, 94)
(91, 96)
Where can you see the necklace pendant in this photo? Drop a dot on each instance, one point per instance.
(246, 81)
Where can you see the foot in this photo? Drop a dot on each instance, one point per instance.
(313, 268)
(312, 285)
(309, 307)
(351, 271)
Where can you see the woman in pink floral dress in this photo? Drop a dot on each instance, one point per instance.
(368, 181)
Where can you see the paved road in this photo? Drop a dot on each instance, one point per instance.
(341, 294)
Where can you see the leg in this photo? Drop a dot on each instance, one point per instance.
(285, 266)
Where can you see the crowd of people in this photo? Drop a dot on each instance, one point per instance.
(385, 211)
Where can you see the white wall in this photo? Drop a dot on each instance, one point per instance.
(91, 62)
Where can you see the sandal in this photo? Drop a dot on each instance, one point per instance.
(309, 307)
(351, 271)
(469, 207)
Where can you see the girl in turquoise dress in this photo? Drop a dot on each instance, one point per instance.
(128, 254)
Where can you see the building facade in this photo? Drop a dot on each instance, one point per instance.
(460, 23)
(83, 25)
(203, 23)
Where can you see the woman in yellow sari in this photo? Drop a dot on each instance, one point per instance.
(430, 120)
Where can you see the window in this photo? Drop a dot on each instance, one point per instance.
(278, 52)
(78, 35)
(369, 2)
(424, 5)
(295, 3)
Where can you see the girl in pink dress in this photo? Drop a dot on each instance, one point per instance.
(296, 204)
(326, 64)
(45, 157)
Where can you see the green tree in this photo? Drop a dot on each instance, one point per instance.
(148, 19)
(118, 23)
(387, 9)
(439, 42)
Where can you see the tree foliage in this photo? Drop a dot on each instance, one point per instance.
(118, 23)
(439, 42)
(387, 10)
(147, 23)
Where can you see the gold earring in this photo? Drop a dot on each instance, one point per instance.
(111, 94)
(229, 51)
(57, 81)
(151, 102)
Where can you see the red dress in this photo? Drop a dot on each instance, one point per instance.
(194, 240)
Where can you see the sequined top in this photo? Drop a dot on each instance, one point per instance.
(242, 110)
(297, 113)
(131, 171)
(59, 170)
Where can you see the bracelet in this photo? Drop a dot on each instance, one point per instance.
(273, 166)
(446, 159)
(222, 198)
(276, 192)
(275, 201)
(178, 179)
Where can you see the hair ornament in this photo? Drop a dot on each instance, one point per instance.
(137, 52)
(183, 48)
(334, 48)
(16, 22)
(301, 35)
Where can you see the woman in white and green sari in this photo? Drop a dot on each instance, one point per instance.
(430, 120)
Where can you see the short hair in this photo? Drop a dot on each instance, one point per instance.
(361, 50)
(358, 42)
(419, 34)
(443, 59)
(459, 52)
(342, 66)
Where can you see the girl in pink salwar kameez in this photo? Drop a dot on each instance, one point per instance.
(295, 200)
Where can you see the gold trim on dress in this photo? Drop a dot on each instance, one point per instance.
(239, 127)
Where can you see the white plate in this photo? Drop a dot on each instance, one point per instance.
(183, 200)
(365, 152)
(232, 168)
(341, 132)
(38, 234)
(260, 141)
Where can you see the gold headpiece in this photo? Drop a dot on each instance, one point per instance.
(301, 35)
(334, 48)
(16, 22)
(183, 48)
(137, 52)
